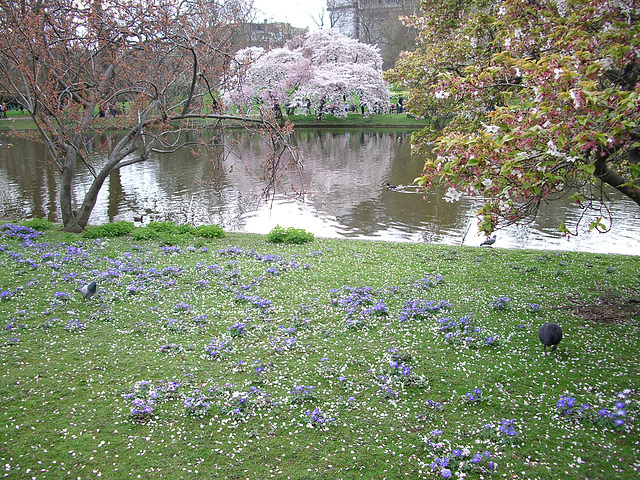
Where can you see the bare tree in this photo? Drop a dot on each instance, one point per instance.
(156, 64)
(319, 17)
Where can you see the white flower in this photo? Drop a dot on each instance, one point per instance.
(538, 93)
(576, 99)
(487, 182)
(552, 149)
(491, 128)
(452, 195)
(558, 73)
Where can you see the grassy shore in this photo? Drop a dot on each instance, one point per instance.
(238, 358)
(16, 122)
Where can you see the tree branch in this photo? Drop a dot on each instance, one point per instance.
(608, 176)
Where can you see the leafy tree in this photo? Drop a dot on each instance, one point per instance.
(542, 98)
(326, 68)
(157, 64)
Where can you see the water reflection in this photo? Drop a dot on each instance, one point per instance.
(344, 184)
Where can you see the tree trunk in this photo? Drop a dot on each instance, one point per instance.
(612, 178)
(69, 220)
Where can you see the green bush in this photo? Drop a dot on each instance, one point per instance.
(166, 227)
(170, 239)
(142, 233)
(289, 235)
(209, 231)
(168, 233)
(38, 224)
(109, 230)
(184, 229)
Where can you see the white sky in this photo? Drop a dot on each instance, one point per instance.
(299, 13)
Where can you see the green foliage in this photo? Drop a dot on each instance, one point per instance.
(170, 234)
(289, 235)
(209, 231)
(184, 229)
(167, 233)
(109, 230)
(166, 227)
(170, 238)
(39, 224)
(542, 99)
(144, 233)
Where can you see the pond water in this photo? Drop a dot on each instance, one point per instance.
(343, 187)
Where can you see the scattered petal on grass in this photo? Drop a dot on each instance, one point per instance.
(352, 359)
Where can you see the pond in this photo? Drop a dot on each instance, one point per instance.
(343, 194)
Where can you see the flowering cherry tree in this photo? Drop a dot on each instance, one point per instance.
(324, 68)
(543, 99)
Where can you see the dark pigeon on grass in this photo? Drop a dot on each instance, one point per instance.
(550, 335)
(489, 241)
(87, 291)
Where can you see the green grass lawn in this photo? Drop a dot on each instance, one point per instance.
(238, 358)
(357, 120)
(15, 122)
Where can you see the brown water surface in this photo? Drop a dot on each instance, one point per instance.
(345, 194)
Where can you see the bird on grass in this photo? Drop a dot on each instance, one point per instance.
(489, 241)
(550, 335)
(87, 291)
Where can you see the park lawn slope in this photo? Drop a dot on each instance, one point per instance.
(238, 358)
(302, 121)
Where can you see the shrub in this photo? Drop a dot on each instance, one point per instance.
(289, 235)
(109, 230)
(167, 232)
(142, 233)
(166, 227)
(184, 229)
(39, 224)
(209, 231)
(169, 239)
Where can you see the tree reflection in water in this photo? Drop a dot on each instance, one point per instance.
(342, 193)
